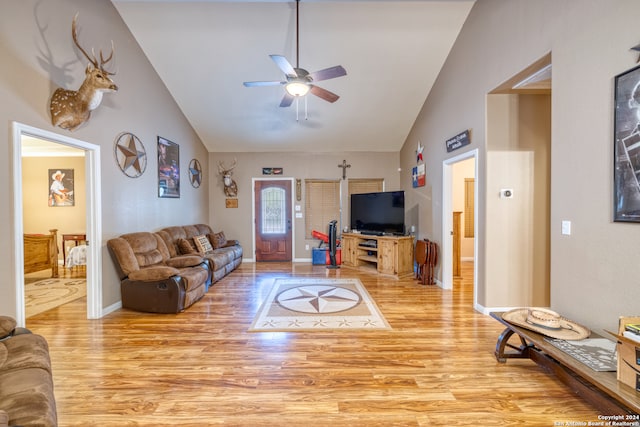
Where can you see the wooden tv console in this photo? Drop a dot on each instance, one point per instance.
(389, 255)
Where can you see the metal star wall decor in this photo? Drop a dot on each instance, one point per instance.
(195, 173)
(130, 154)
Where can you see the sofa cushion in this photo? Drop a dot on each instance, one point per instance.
(191, 231)
(183, 261)
(27, 397)
(138, 250)
(218, 240)
(186, 247)
(25, 351)
(194, 277)
(203, 244)
(221, 257)
(202, 229)
(159, 272)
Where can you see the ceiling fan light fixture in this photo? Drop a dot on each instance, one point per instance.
(297, 88)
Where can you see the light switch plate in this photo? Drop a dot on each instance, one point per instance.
(566, 227)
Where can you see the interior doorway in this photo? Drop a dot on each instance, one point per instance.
(93, 216)
(450, 181)
(517, 203)
(273, 225)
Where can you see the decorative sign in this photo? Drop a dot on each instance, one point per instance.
(458, 141)
(272, 171)
(231, 203)
(418, 176)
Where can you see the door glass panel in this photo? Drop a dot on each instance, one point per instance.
(273, 211)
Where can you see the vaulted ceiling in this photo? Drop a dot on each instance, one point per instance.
(204, 51)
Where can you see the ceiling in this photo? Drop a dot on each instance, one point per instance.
(204, 51)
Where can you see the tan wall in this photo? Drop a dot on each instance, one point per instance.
(37, 56)
(460, 171)
(518, 140)
(38, 216)
(237, 223)
(593, 272)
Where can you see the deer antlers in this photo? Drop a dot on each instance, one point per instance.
(226, 171)
(92, 58)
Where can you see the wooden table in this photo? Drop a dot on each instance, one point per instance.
(77, 238)
(600, 389)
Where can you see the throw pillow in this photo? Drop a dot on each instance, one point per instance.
(185, 247)
(203, 244)
(218, 240)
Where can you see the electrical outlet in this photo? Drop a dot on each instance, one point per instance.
(306, 247)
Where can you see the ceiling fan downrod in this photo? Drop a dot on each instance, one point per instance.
(297, 33)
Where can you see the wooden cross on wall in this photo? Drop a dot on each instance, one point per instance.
(344, 167)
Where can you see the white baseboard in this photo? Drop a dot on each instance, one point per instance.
(111, 308)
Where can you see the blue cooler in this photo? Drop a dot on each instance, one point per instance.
(319, 256)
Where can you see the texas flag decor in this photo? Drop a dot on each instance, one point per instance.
(419, 176)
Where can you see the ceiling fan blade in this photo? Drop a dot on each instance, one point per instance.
(328, 73)
(284, 65)
(287, 100)
(254, 84)
(323, 93)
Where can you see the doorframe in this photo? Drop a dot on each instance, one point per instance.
(447, 220)
(93, 216)
(253, 215)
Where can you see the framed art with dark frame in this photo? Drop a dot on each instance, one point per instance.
(168, 168)
(626, 154)
(61, 189)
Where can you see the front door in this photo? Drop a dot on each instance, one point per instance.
(273, 220)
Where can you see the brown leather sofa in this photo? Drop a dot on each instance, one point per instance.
(26, 382)
(151, 279)
(224, 256)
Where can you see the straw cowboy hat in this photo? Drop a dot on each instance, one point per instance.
(56, 173)
(546, 322)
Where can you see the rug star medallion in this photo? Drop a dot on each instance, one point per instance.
(318, 304)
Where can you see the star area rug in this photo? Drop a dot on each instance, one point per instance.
(308, 304)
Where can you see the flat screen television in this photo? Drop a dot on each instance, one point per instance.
(378, 213)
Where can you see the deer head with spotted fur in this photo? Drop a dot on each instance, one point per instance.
(71, 108)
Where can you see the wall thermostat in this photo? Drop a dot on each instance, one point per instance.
(506, 193)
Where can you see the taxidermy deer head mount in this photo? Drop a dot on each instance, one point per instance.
(71, 108)
(230, 186)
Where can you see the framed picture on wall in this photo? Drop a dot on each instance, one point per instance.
(168, 169)
(626, 151)
(61, 187)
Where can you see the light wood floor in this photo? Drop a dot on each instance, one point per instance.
(201, 367)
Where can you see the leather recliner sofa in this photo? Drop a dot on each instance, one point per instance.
(224, 256)
(151, 280)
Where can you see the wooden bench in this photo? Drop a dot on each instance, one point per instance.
(600, 389)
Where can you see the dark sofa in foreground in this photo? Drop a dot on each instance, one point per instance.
(169, 270)
(26, 382)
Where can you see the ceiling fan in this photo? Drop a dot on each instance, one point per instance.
(299, 81)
